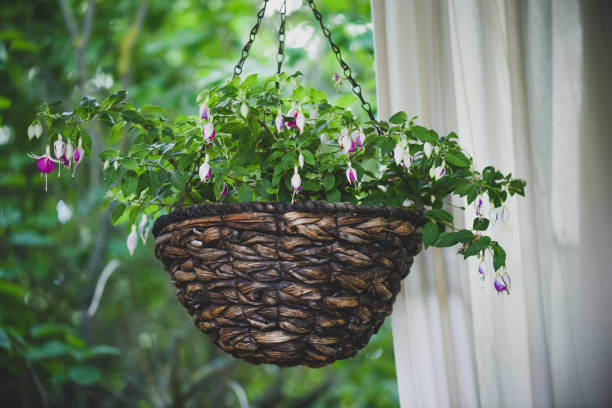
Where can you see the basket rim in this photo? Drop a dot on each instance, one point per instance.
(311, 206)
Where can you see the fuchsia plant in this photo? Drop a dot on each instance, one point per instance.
(254, 141)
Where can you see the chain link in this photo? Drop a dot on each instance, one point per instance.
(280, 57)
(345, 68)
(252, 34)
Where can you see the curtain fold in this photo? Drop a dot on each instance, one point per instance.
(526, 85)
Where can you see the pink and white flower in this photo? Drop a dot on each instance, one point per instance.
(34, 130)
(78, 155)
(279, 122)
(351, 174)
(300, 121)
(301, 160)
(143, 228)
(208, 132)
(437, 172)
(224, 191)
(68, 154)
(205, 171)
(44, 163)
(428, 149)
(502, 283)
(296, 182)
(244, 110)
(204, 111)
(132, 240)
(359, 137)
(59, 149)
(407, 159)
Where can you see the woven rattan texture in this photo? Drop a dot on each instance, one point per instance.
(288, 284)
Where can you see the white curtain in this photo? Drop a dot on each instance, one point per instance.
(527, 85)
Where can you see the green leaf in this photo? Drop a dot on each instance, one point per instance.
(317, 96)
(117, 214)
(249, 82)
(115, 133)
(133, 116)
(51, 349)
(245, 193)
(345, 101)
(308, 157)
(499, 257)
(84, 375)
(447, 239)
(430, 233)
(107, 154)
(457, 159)
(399, 118)
(5, 342)
(424, 135)
(480, 224)
(333, 196)
(328, 182)
(129, 163)
(517, 186)
(476, 246)
(441, 215)
(86, 139)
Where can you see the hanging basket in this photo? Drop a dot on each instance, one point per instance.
(306, 283)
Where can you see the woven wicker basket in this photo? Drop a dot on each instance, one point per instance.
(288, 284)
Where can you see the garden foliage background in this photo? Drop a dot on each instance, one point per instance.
(139, 347)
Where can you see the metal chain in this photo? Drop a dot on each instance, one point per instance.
(252, 34)
(345, 68)
(280, 57)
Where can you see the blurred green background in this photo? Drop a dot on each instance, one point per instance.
(139, 347)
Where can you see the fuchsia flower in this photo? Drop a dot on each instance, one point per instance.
(359, 137)
(59, 149)
(427, 149)
(79, 153)
(208, 132)
(351, 174)
(481, 270)
(244, 110)
(398, 154)
(68, 154)
(407, 159)
(132, 240)
(337, 80)
(479, 207)
(143, 228)
(34, 130)
(437, 172)
(293, 111)
(345, 142)
(301, 160)
(224, 191)
(204, 112)
(279, 122)
(296, 180)
(44, 163)
(300, 121)
(502, 283)
(205, 171)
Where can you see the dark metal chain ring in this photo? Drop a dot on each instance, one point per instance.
(281, 37)
(345, 68)
(247, 46)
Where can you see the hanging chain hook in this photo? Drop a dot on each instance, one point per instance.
(249, 43)
(345, 68)
(280, 57)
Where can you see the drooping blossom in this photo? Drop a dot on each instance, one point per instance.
(79, 153)
(34, 130)
(59, 149)
(301, 160)
(427, 149)
(500, 213)
(44, 163)
(279, 122)
(407, 159)
(293, 111)
(502, 283)
(398, 154)
(437, 172)
(296, 180)
(481, 270)
(208, 132)
(106, 165)
(116, 164)
(359, 137)
(244, 110)
(337, 80)
(224, 191)
(300, 121)
(345, 142)
(204, 111)
(68, 154)
(479, 203)
(143, 228)
(132, 240)
(205, 171)
(351, 174)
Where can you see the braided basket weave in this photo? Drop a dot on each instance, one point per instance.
(288, 284)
